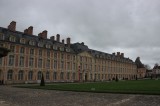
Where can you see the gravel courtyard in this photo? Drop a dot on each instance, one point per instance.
(11, 96)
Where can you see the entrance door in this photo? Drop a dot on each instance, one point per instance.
(86, 77)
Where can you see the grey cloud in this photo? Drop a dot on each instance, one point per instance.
(129, 26)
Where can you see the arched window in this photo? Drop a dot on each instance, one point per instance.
(39, 75)
(30, 75)
(10, 75)
(20, 75)
(47, 75)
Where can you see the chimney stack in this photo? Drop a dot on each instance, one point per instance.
(63, 41)
(52, 38)
(26, 31)
(43, 34)
(58, 38)
(118, 53)
(12, 26)
(30, 30)
(68, 41)
(113, 54)
(122, 54)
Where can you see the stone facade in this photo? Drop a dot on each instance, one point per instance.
(33, 55)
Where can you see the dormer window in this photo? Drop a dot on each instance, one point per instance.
(55, 47)
(12, 38)
(22, 41)
(61, 49)
(31, 42)
(67, 50)
(48, 46)
(1, 36)
(40, 44)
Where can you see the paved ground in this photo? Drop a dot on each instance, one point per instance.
(10, 96)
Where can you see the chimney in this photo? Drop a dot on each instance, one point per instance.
(43, 34)
(40, 34)
(118, 53)
(26, 31)
(63, 41)
(122, 54)
(12, 26)
(58, 38)
(113, 54)
(30, 30)
(52, 38)
(68, 41)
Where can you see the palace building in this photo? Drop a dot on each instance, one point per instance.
(31, 56)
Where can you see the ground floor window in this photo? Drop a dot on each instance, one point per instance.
(10, 75)
(39, 75)
(47, 75)
(68, 75)
(74, 76)
(61, 75)
(20, 75)
(55, 75)
(30, 75)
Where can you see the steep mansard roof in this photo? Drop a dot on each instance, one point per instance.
(74, 48)
(139, 63)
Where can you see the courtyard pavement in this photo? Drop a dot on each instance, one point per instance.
(11, 96)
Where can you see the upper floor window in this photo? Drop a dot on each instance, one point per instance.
(31, 42)
(31, 51)
(40, 52)
(48, 53)
(67, 50)
(22, 41)
(55, 47)
(1, 36)
(22, 50)
(48, 46)
(61, 49)
(21, 62)
(11, 60)
(31, 61)
(12, 48)
(40, 44)
(12, 38)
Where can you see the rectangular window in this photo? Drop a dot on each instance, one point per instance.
(31, 61)
(48, 53)
(74, 66)
(62, 64)
(74, 76)
(55, 55)
(68, 75)
(22, 50)
(40, 63)
(91, 76)
(21, 62)
(11, 60)
(40, 52)
(55, 63)
(32, 51)
(62, 56)
(55, 75)
(68, 57)
(74, 58)
(68, 65)
(12, 48)
(48, 64)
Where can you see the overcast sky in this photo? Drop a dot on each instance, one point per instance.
(128, 26)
